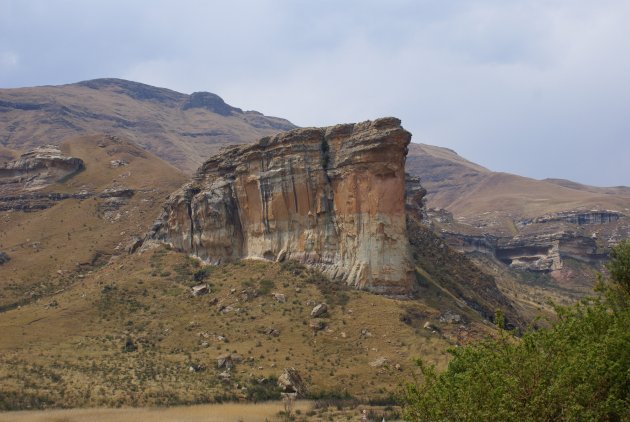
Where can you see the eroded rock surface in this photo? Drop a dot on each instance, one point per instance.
(333, 198)
(38, 168)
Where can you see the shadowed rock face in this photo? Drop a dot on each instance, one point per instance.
(333, 198)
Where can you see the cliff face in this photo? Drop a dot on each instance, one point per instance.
(38, 168)
(333, 198)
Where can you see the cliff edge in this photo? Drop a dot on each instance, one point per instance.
(332, 198)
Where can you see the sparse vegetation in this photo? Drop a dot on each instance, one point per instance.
(131, 339)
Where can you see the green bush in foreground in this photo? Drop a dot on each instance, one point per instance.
(579, 369)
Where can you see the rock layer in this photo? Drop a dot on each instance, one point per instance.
(38, 168)
(333, 198)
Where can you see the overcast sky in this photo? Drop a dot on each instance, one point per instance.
(537, 88)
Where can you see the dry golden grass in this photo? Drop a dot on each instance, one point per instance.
(225, 412)
(48, 247)
(71, 354)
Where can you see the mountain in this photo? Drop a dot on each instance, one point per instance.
(551, 233)
(182, 129)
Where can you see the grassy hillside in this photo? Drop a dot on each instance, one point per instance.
(181, 129)
(131, 333)
(49, 249)
(495, 201)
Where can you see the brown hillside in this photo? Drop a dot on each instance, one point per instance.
(182, 129)
(50, 248)
(480, 197)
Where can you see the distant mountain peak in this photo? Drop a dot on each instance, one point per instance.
(135, 90)
(211, 102)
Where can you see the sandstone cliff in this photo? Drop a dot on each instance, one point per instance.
(333, 198)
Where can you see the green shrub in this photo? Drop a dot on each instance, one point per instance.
(578, 369)
(263, 390)
(265, 286)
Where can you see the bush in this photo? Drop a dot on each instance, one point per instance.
(263, 390)
(578, 369)
(265, 286)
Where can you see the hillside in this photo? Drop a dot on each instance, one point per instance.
(539, 238)
(129, 334)
(85, 323)
(179, 128)
(92, 215)
(475, 194)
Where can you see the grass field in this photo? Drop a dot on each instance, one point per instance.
(69, 350)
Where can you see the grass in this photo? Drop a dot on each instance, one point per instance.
(122, 337)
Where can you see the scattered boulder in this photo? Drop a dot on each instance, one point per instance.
(291, 382)
(319, 310)
(317, 324)
(4, 258)
(270, 331)
(117, 163)
(196, 367)
(451, 317)
(280, 297)
(378, 362)
(248, 294)
(228, 360)
(225, 309)
(200, 290)
(366, 333)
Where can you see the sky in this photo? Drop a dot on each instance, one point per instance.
(532, 87)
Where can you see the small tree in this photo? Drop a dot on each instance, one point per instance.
(619, 265)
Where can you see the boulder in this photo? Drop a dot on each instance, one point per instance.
(200, 290)
(291, 382)
(4, 258)
(451, 317)
(317, 324)
(228, 360)
(319, 310)
(280, 297)
(378, 362)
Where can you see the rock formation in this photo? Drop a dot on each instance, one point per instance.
(541, 244)
(333, 198)
(38, 168)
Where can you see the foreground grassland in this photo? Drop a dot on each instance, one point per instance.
(131, 334)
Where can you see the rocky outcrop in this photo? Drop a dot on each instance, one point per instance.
(537, 252)
(291, 382)
(37, 169)
(113, 199)
(22, 180)
(333, 198)
(211, 102)
(576, 217)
